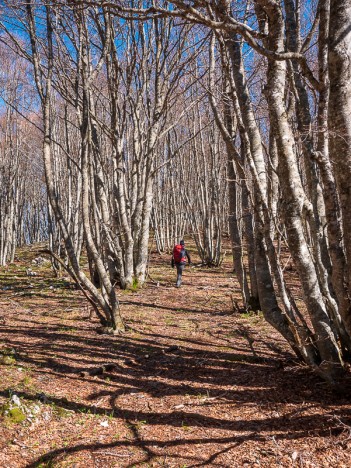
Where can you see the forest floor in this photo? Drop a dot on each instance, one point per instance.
(190, 384)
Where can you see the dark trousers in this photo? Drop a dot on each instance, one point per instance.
(180, 268)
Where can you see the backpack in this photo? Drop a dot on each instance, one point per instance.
(179, 254)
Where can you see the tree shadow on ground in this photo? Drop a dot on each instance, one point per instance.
(148, 448)
(178, 310)
(291, 426)
(58, 349)
(227, 377)
(235, 374)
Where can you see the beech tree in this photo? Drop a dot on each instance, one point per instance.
(335, 64)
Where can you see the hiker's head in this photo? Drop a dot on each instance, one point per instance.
(182, 242)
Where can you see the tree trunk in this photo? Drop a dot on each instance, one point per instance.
(339, 117)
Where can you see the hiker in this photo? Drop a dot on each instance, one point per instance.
(180, 254)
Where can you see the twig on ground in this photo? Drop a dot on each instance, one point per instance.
(345, 429)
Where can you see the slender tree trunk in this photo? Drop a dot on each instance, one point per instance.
(339, 118)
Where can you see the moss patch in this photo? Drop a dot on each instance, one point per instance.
(7, 360)
(12, 415)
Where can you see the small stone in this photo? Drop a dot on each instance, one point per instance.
(15, 400)
(104, 423)
(35, 409)
(179, 406)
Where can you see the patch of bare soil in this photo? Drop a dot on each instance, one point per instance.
(190, 384)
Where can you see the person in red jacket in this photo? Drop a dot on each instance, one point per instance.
(179, 258)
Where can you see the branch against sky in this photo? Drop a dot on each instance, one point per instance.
(214, 14)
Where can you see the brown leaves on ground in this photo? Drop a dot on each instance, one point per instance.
(190, 384)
